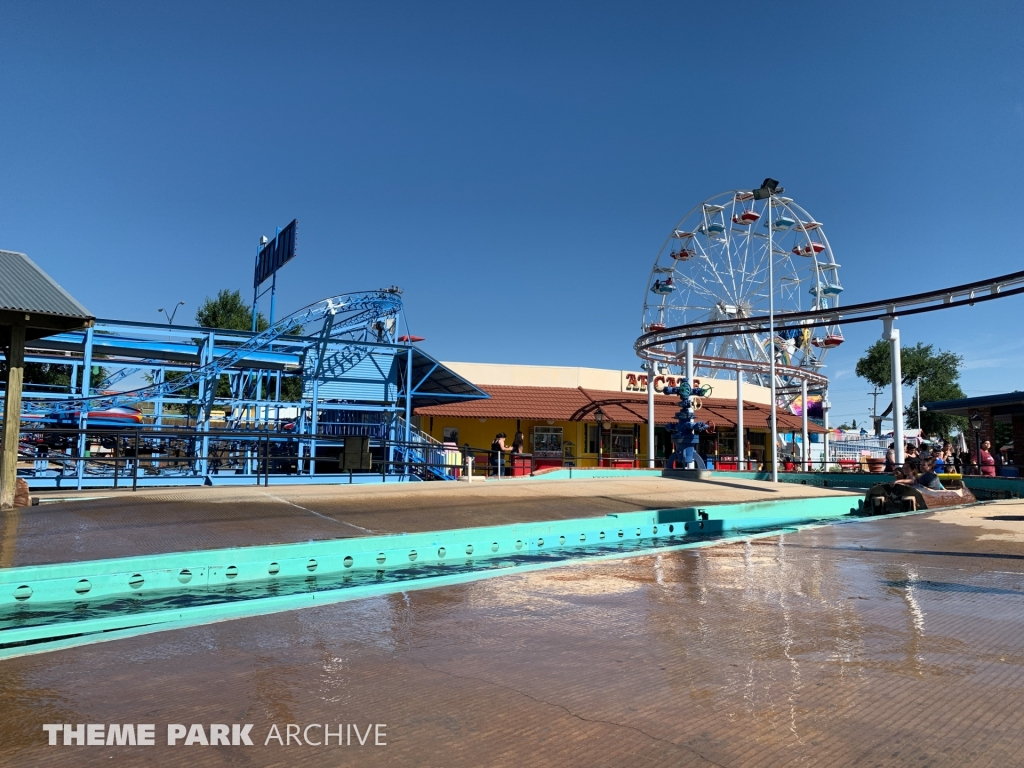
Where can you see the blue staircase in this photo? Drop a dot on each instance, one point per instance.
(422, 450)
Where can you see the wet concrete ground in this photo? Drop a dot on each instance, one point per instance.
(121, 524)
(891, 642)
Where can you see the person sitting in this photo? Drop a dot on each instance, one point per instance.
(927, 477)
(939, 461)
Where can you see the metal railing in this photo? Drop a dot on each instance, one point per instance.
(248, 452)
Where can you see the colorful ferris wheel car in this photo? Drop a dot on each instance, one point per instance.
(825, 290)
(829, 341)
(683, 254)
(746, 218)
(813, 248)
(712, 229)
(663, 287)
(782, 224)
(809, 226)
(655, 327)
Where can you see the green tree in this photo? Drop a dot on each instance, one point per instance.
(55, 376)
(228, 311)
(940, 380)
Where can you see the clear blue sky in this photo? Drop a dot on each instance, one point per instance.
(514, 166)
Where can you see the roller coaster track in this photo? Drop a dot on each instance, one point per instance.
(345, 314)
(650, 346)
(785, 372)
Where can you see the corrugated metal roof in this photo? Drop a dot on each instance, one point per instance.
(24, 287)
(579, 404)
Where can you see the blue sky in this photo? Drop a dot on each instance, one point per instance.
(514, 167)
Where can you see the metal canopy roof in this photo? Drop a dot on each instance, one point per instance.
(1007, 403)
(30, 297)
(433, 383)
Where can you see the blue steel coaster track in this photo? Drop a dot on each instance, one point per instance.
(347, 313)
(650, 346)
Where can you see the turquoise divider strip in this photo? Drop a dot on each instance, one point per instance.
(214, 568)
(819, 479)
(102, 630)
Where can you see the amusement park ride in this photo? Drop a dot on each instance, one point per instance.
(715, 266)
(739, 256)
(729, 292)
(358, 381)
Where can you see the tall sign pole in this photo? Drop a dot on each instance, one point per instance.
(270, 257)
(771, 340)
(650, 414)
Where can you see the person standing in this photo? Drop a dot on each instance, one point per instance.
(890, 458)
(984, 461)
(498, 451)
(911, 457)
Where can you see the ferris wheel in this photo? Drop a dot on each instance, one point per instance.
(714, 265)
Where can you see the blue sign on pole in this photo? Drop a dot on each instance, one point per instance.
(277, 253)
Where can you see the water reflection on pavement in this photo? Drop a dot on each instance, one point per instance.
(886, 643)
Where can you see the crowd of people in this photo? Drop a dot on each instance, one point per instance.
(922, 466)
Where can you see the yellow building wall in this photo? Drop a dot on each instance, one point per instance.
(480, 434)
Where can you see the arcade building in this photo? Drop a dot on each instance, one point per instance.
(590, 417)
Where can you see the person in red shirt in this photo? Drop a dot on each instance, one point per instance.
(987, 465)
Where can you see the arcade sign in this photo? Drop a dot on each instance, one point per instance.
(637, 382)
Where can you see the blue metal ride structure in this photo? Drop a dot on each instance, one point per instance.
(230, 388)
(347, 315)
(686, 430)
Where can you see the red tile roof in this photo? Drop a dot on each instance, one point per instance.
(561, 404)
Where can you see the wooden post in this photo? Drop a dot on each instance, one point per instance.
(12, 416)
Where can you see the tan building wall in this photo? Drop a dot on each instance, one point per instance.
(592, 378)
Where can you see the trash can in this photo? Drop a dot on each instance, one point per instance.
(522, 463)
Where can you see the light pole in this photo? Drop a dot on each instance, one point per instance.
(599, 417)
(170, 317)
(976, 422)
(921, 436)
(768, 188)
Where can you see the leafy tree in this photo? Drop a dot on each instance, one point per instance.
(940, 380)
(50, 374)
(228, 311)
(1003, 434)
(54, 375)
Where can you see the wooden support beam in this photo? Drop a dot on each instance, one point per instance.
(14, 379)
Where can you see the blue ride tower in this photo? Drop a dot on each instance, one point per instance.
(686, 430)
